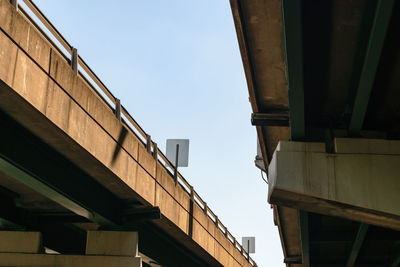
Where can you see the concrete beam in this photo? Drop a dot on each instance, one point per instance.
(357, 186)
(20, 242)
(113, 243)
(40, 260)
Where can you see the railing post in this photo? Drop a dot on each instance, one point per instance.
(191, 203)
(205, 208)
(155, 151)
(118, 109)
(148, 143)
(216, 221)
(74, 60)
(14, 3)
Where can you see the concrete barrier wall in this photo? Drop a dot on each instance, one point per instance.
(89, 131)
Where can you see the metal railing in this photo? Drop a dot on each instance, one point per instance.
(76, 61)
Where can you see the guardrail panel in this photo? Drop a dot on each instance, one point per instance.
(7, 56)
(146, 160)
(172, 200)
(203, 230)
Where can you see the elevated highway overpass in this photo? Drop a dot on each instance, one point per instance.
(323, 80)
(73, 161)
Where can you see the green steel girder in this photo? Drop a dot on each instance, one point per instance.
(30, 161)
(292, 23)
(358, 241)
(376, 40)
(304, 238)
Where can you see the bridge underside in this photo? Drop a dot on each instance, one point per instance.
(325, 75)
(33, 177)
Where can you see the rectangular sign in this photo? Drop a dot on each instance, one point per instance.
(183, 154)
(249, 244)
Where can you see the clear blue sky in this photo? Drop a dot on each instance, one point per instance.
(176, 67)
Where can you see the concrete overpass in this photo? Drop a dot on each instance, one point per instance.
(79, 176)
(323, 80)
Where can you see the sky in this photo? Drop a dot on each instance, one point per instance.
(177, 69)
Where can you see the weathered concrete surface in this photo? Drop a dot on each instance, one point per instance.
(359, 182)
(23, 249)
(40, 91)
(44, 260)
(112, 243)
(20, 242)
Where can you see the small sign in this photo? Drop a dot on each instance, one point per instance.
(249, 244)
(183, 153)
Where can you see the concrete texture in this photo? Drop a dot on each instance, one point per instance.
(358, 186)
(49, 260)
(112, 243)
(24, 249)
(21, 242)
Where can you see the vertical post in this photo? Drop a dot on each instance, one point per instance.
(118, 109)
(216, 221)
(74, 60)
(176, 164)
(148, 143)
(205, 208)
(191, 211)
(14, 3)
(155, 150)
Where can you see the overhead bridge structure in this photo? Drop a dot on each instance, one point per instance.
(78, 176)
(323, 79)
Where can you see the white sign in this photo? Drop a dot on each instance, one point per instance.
(249, 244)
(183, 153)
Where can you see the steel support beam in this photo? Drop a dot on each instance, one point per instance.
(304, 237)
(358, 241)
(270, 119)
(292, 22)
(30, 161)
(396, 262)
(376, 40)
(30, 180)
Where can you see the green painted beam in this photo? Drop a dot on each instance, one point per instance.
(375, 44)
(30, 161)
(36, 184)
(304, 236)
(358, 241)
(396, 262)
(292, 23)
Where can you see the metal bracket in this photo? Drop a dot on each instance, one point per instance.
(74, 60)
(118, 109)
(270, 119)
(135, 214)
(148, 143)
(155, 151)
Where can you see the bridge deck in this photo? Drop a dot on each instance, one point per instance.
(42, 93)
